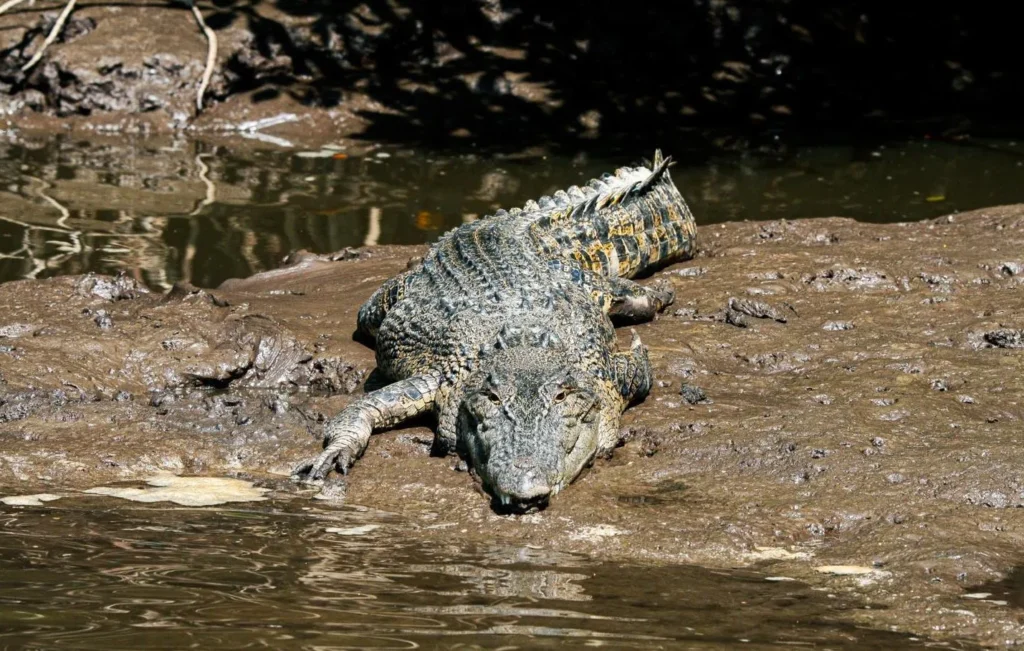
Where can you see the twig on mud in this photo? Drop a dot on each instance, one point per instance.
(211, 54)
(9, 4)
(52, 36)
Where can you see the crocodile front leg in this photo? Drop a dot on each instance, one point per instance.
(347, 434)
(635, 303)
(631, 372)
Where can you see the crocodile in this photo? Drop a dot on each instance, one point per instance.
(504, 332)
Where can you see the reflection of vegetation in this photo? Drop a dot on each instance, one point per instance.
(192, 211)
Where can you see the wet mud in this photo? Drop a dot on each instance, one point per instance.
(836, 402)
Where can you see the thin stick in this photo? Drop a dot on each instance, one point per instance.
(52, 36)
(211, 55)
(10, 3)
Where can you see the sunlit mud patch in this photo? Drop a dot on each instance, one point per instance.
(187, 491)
(29, 500)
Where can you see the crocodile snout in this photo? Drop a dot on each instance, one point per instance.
(525, 486)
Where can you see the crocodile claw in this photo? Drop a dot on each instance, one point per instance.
(315, 470)
(665, 294)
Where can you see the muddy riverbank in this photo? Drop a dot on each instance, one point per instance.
(830, 394)
(506, 74)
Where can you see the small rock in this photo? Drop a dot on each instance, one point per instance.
(693, 394)
(756, 309)
(691, 272)
(837, 325)
(121, 287)
(1012, 268)
(732, 317)
(1005, 338)
(161, 398)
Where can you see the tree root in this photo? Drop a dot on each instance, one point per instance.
(52, 36)
(211, 55)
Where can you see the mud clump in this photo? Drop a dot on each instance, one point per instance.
(892, 445)
(1004, 338)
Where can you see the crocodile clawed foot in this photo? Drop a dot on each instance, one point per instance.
(664, 294)
(315, 470)
(303, 472)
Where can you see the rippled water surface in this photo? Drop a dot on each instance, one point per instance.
(89, 573)
(186, 210)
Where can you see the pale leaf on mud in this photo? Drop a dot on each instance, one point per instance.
(187, 491)
(777, 554)
(353, 531)
(29, 500)
(844, 570)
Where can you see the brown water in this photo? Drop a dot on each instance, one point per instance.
(168, 210)
(90, 573)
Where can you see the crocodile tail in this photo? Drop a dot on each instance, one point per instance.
(659, 166)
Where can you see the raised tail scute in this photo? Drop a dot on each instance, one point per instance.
(659, 166)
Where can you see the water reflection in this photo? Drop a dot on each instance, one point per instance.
(92, 574)
(168, 210)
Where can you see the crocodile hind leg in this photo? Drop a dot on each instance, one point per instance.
(634, 303)
(373, 311)
(347, 434)
(631, 372)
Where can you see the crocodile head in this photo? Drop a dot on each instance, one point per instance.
(528, 424)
